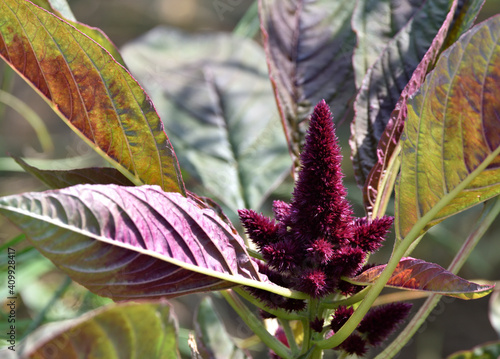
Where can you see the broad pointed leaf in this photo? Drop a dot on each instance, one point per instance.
(384, 82)
(214, 95)
(379, 183)
(450, 157)
(61, 9)
(56, 179)
(416, 274)
(93, 93)
(125, 330)
(309, 46)
(132, 242)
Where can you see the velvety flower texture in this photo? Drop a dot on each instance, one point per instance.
(375, 327)
(314, 240)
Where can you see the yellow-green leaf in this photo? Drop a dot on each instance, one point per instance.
(450, 158)
(91, 92)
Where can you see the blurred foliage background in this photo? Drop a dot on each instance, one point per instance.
(48, 295)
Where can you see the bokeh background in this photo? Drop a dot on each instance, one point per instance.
(454, 324)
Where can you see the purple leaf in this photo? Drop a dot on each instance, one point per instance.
(132, 242)
(416, 274)
(309, 45)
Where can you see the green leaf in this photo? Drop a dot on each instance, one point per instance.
(416, 274)
(380, 180)
(375, 23)
(451, 144)
(61, 9)
(215, 99)
(385, 81)
(211, 335)
(93, 93)
(309, 46)
(60, 179)
(124, 330)
(489, 350)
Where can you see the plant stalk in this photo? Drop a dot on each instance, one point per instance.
(256, 325)
(490, 212)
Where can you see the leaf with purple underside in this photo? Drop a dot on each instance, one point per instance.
(309, 47)
(416, 274)
(132, 242)
(450, 157)
(379, 183)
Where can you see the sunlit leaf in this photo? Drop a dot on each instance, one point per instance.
(93, 93)
(309, 47)
(61, 9)
(215, 99)
(451, 143)
(125, 330)
(379, 182)
(416, 274)
(212, 339)
(132, 242)
(60, 179)
(489, 350)
(384, 82)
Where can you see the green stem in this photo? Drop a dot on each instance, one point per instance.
(43, 313)
(285, 324)
(347, 301)
(280, 313)
(31, 117)
(256, 325)
(490, 212)
(399, 250)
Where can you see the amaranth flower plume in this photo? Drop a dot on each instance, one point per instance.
(314, 240)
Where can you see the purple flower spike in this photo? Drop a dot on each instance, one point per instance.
(381, 321)
(369, 235)
(354, 344)
(341, 315)
(261, 229)
(314, 283)
(319, 207)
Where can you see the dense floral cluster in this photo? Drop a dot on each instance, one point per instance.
(375, 327)
(314, 240)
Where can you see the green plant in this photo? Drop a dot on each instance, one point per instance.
(425, 127)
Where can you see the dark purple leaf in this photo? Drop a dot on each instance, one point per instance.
(416, 274)
(309, 47)
(132, 242)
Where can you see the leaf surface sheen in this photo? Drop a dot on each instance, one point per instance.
(450, 158)
(214, 95)
(393, 76)
(132, 242)
(416, 274)
(90, 91)
(309, 47)
(465, 13)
